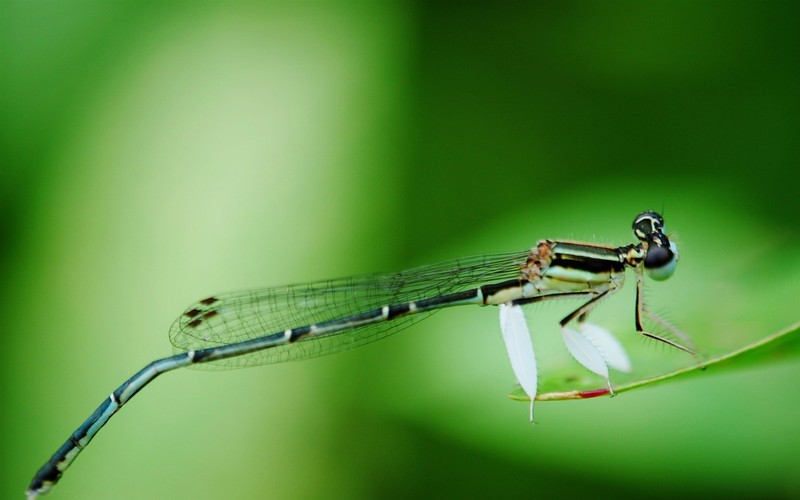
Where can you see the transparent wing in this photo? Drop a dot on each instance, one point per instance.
(236, 317)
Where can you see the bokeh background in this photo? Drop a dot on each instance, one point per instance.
(155, 154)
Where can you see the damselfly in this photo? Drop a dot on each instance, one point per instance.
(304, 321)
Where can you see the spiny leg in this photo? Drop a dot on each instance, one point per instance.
(698, 354)
(640, 311)
(583, 311)
(515, 331)
(582, 348)
(586, 351)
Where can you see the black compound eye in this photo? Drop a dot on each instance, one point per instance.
(657, 257)
(660, 261)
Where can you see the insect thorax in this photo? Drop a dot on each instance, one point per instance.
(563, 266)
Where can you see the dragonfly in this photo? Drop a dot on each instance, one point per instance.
(304, 321)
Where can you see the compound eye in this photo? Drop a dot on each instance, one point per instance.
(660, 261)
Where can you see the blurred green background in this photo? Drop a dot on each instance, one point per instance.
(153, 155)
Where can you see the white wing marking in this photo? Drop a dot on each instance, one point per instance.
(520, 348)
(608, 345)
(585, 352)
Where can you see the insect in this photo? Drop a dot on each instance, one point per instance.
(308, 320)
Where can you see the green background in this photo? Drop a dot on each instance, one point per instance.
(153, 155)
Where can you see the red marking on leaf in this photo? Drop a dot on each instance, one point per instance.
(593, 393)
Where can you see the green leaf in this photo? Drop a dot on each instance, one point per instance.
(781, 345)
